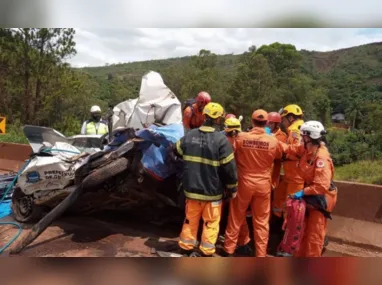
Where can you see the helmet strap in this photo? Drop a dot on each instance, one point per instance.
(306, 143)
(291, 119)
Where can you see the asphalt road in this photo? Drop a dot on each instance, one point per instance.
(119, 235)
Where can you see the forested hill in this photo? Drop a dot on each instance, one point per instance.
(348, 59)
(350, 76)
(37, 86)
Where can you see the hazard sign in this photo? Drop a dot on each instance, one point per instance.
(2, 125)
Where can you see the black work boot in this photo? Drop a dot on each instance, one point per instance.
(223, 253)
(183, 252)
(245, 250)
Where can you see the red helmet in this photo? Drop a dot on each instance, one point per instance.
(274, 117)
(230, 116)
(203, 98)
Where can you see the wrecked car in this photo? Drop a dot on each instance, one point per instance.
(130, 169)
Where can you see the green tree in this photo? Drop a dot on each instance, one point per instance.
(53, 46)
(252, 86)
(283, 59)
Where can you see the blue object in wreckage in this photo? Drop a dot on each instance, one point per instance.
(5, 209)
(119, 138)
(155, 148)
(5, 181)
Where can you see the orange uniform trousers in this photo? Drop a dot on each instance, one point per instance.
(210, 212)
(314, 235)
(244, 237)
(259, 198)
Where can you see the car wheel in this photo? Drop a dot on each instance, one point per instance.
(24, 209)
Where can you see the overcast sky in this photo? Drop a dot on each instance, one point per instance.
(95, 47)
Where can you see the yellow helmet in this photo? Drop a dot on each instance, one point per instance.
(291, 109)
(232, 124)
(213, 110)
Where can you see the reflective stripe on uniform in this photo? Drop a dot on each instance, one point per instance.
(178, 148)
(208, 161)
(207, 129)
(277, 210)
(207, 245)
(227, 159)
(189, 241)
(202, 197)
(201, 160)
(230, 186)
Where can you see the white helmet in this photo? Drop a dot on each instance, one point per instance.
(313, 129)
(95, 109)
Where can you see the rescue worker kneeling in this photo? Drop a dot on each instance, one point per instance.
(320, 193)
(209, 169)
(232, 127)
(255, 153)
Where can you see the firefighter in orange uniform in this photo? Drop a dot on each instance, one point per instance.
(276, 233)
(274, 120)
(291, 120)
(232, 127)
(255, 153)
(319, 192)
(209, 169)
(193, 115)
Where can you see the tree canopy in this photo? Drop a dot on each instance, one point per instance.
(37, 86)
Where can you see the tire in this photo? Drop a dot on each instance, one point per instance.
(24, 209)
(108, 171)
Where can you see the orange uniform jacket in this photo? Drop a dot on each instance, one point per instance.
(281, 136)
(255, 153)
(192, 118)
(317, 170)
(291, 175)
(316, 167)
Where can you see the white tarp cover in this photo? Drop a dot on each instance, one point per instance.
(156, 102)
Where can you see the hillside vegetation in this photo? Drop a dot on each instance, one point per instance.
(38, 87)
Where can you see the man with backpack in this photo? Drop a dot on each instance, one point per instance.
(193, 111)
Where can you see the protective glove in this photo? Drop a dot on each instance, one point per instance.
(298, 195)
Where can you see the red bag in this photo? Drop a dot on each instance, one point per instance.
(294, 226)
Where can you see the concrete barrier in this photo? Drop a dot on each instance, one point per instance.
(359, 201)
(13, 156)
(357, 217)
